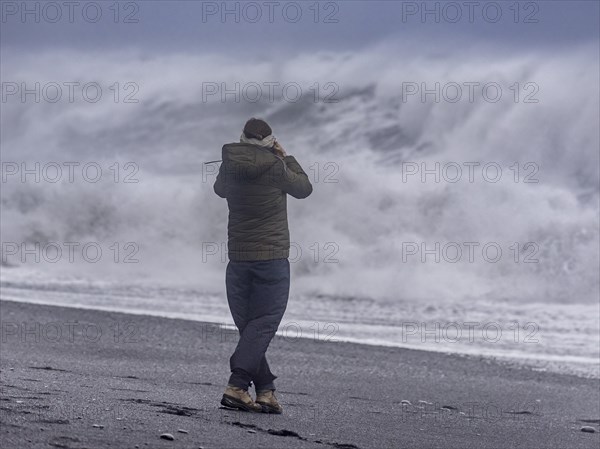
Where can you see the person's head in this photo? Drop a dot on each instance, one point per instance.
(256, 128)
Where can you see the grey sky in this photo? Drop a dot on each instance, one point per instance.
(176, 26)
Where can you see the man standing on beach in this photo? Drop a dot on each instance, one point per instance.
(255, 177)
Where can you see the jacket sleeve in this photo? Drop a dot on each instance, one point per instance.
(219, 185)
(293, 179)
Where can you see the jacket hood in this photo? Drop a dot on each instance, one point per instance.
(246, 160)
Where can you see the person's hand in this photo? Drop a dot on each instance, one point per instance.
(279, 151)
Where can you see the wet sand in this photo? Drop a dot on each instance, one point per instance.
(75, 378)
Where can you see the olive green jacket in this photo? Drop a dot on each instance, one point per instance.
(255, 183)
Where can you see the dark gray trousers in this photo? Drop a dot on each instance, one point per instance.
(257, 293)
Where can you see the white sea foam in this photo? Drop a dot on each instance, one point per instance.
(349, 236)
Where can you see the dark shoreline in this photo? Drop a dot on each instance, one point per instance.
(139, 376)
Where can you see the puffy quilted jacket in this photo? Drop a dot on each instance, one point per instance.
(256, 183)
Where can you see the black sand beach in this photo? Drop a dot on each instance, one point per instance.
(75, 378)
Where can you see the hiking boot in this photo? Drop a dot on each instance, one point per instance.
(269, 403)
(240, 399)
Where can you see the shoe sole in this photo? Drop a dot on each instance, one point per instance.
(266, 408)
(231, 402)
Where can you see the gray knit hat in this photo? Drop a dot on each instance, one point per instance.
(256, 128)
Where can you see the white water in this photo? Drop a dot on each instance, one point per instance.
(351, 232)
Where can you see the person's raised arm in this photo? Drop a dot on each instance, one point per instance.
(290, 176)
(219, 186)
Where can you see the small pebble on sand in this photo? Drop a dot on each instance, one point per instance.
(98, 426)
